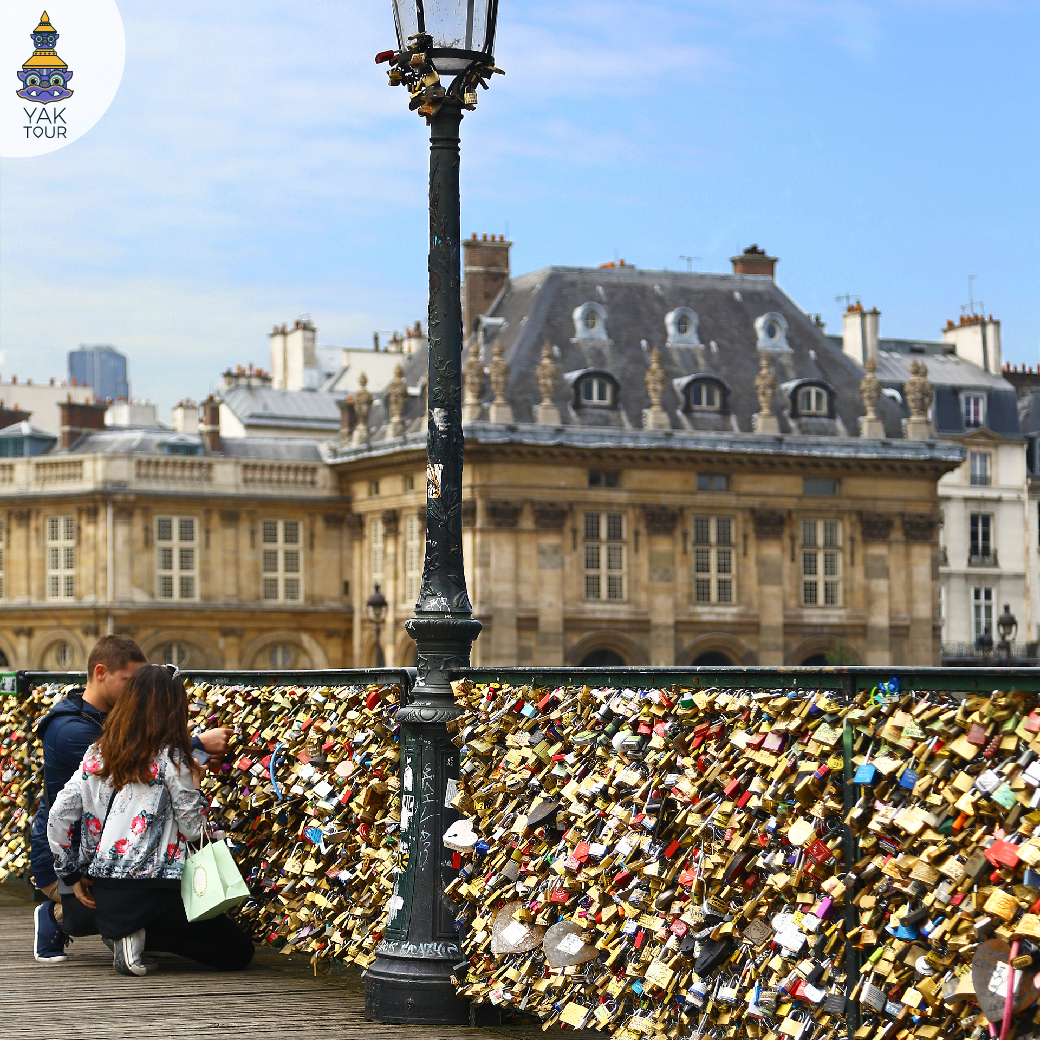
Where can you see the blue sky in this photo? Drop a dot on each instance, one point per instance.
(254, 166)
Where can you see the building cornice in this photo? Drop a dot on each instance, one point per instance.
(839, 451)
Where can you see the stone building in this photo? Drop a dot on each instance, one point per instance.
(661, 468)
(987, 540)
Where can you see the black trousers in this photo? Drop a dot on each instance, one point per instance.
(218, 943)
(124, 909)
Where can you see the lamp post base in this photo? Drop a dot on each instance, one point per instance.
(409, 990)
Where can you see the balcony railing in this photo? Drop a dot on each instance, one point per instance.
(983, 559)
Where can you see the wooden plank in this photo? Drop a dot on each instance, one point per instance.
(277, 997)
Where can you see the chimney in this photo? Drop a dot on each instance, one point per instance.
(859, 333)
(77, 417)
(486, 273)
(211, 423)
(186, 417)
(976, 338)
(754, 261)
(10, 416)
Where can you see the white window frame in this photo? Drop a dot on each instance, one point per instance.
(177, 558)
(974, 408)
(604, 557)
(414, 530)
(982, 538)
(704, 388)
(820, 563)
(61, 557)
(812, 400)
(281, 561)
(714, 580)
(982, 600)
(601, 390)
(981, 468)
(281, 655)
(2, 554)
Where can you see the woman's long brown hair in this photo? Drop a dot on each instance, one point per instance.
(150, 716)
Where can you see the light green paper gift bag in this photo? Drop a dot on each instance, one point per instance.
(211, 882)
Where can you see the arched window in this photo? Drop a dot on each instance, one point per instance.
(603, 659)
(595, 390)
(812, 400)
(63, 654)
(705, 396)
(281, 655)
(176, 654)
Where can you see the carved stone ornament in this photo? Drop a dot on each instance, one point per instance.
(356, 525)
(549, 516)
(876, 527)
(333, 520)
(769, 523)
(918, 391)
(362, 406)
(655, 378)
(660, 520)
(919, 527)
(499, 372)
(870, 389)
(504, 514)
(391, 522)
(397, 394)
(765, 385)
(473, 375)
(547, 373)
(229, 517)
(469, 513)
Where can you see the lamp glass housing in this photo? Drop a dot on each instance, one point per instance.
(377, 605)
(463, 31)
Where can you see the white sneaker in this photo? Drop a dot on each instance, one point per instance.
(127, 956)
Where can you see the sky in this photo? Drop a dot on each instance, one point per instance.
(254, 167)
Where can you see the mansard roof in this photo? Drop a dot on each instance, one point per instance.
(634, 311)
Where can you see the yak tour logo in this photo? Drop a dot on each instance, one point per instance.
(45, 76)
(43, 112)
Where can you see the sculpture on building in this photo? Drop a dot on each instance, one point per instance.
(362, 406)
(655, 418)
(396, 394)
(765, 389)
(547, 375)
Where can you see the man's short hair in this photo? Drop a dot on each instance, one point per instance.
(115, 653)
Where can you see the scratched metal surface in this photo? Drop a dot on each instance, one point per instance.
(278, 996)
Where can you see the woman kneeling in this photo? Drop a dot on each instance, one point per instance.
(136, 804)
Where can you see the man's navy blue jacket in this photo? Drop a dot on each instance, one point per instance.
(66, 732)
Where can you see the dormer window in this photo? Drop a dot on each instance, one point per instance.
(812, 400)
(681, 325)
(590, 321)
(597, 391)
(593, 388)
(974, 410)
(705, 396)
(772, 331)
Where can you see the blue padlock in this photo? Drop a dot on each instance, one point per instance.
(908, 779)
(865, 774)
(1031, 878)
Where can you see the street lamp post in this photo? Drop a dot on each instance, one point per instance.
(411, 979)
(376, 607)
(1007, 623)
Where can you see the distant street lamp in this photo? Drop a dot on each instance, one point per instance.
(376, 607)
(411, 979)
(1007, 623)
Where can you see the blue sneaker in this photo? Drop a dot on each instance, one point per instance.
(51, 940)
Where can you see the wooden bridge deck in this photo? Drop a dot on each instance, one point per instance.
(278, 996)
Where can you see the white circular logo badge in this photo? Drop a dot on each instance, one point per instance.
(198, 881)
(60, 67)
